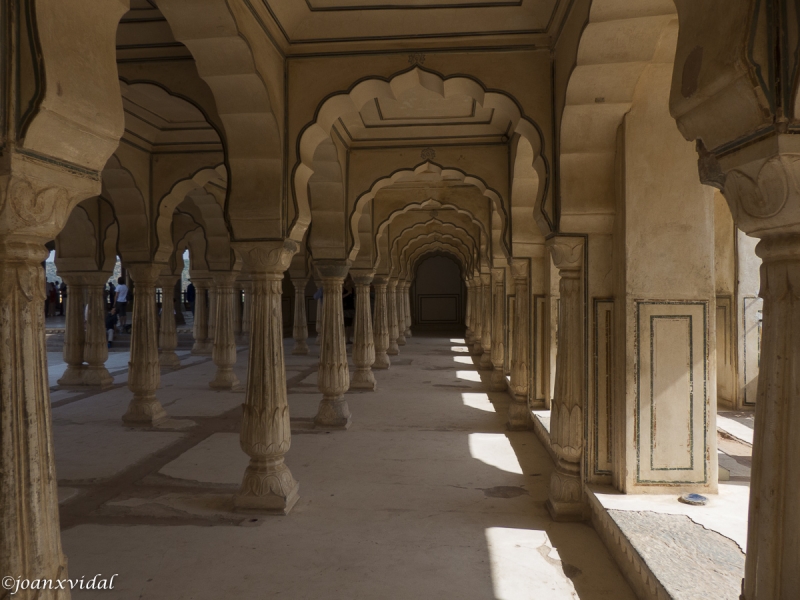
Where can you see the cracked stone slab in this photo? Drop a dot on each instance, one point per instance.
(689, 560)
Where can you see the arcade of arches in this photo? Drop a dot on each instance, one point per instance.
(563, 237)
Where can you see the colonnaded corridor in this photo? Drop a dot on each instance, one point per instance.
(425, 496)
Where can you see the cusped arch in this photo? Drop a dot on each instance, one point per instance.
(368, 90)
(433, 248)
(130, 209)
(425, 228)
(445, 238)
(177, 194)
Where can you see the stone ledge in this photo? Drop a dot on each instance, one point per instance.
(541, 427)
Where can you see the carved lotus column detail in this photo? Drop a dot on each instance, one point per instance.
(380, 324)
(363, 342)
(74, 334)
(268, 485)
(202, 345)
(300, 330)
(486, 321)
(498, 382)
(519, 416)
(224, 353)
(95, 346)
(168, 334)
(333, 379)
(400, 305)
(143, 372)
(391, 303)
(565, 500)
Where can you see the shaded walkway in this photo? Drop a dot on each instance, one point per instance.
(426, 496)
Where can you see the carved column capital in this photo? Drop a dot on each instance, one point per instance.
(520, 267)
(362, 276)
(145, 274)
(567, 252)
(267, 257)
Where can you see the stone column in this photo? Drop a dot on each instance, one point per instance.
(74, 334)
(498, 382)
(268, 484)
(391, 297)
(95, 346)
(400, 306)
(468, 338)
(202, 345)
(519, 415)
(143, 370)
(238, 311)
(333, 379)
(300, 331)
(380, 325)
(407, 311)
(318, 322)
(212, 312)
(224, 353)
(477, 316)
(168, 333)
(486, 321)
(363, 339)
(565, 500)
(247, 287)
(30, 543)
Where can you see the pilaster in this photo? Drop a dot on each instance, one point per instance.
(401, 313)
(363, 342)
(486, 321)
(74, 334)
(380, 324)
(168, 333)
(391, 303)
(407, 312)
(519, 415)
(202, 345)
(95, 347)
(498, 381)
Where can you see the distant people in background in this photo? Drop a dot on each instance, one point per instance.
(52, 298)
(189, 297)
(61, 305)
(121, 303)
(47, 298)
(111, 325)
(112, 295)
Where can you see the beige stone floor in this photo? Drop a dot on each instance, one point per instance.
(426, 496)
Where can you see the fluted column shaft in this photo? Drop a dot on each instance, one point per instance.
(202, 344)
(401, 314)
(380, 325)
(477, 311)
(143, 372)
(468, 337)
(224, 353)
(238, 306)
(95, 347)
(318, 322)
(486, 321)
(168, 333)
(519, 416)
(407, 299)
(498, 378)
(300, 330)
(247, 311)
(565, 500)
(30, 544)
(212, 312)
(268, 484)
(333, 378)
(391, 297)
(74, 334)
(363, 339)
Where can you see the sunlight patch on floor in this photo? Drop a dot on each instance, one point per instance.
(525, 566)
(468, 375)
(459, 349)
(464, 360)
(495, 450)
(477, 400)
(458, 341)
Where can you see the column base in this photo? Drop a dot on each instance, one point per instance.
(267, 489)
(477, 348)
(167, 359)
(300, 348)
(408, 332)
(225, 379)
(519, 417)
(381, 361)
(144, 411)
(393, 350)
(72, 377)
(565, 502)
(486, 361)
(468, 339)
(203, 348)
(401, 340)
(363, 380)
(498, 381)
(97, 376)
(333, 413)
